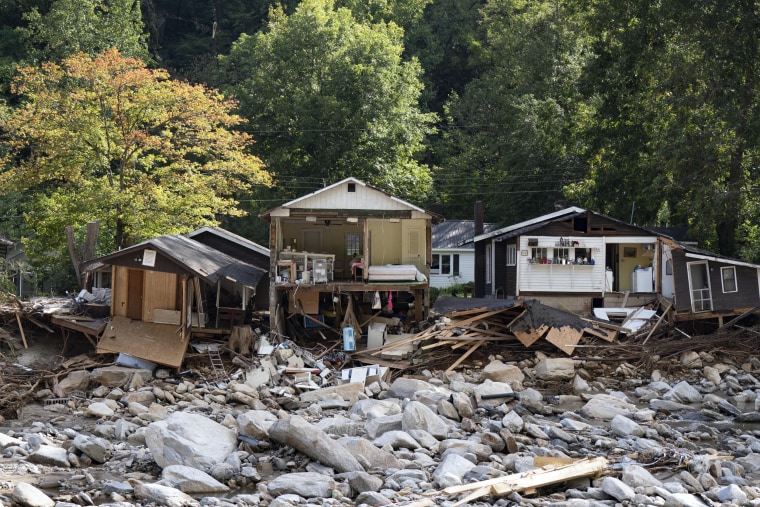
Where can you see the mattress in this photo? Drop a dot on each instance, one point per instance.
(394, 272)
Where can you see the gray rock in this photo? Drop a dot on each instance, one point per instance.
(683, 392)
(304, 484)
(732, 493)
(407, 388)
(372, 499)
(425, 439)
(50, 455)
(605, 407)
(255, 423)
(99, 410)
(371, 408)
(463, 404)
(191, 480)
(74, 381)
(361, 482)
(338, 425)
(117, 376)
(189, 439)
(555, 368)
(500, 372)
(624, 427)
(668, 406)
(417, 416)
(28, 496)
(379, 425)
(316, 444)
(7, 441)
(368, 455)
(451, 470)
(636, 476)
(617, 489)
(162, 495)
(98, 449)
(513, 422)
(397, 440)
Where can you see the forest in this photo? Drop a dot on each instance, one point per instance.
(162, 116)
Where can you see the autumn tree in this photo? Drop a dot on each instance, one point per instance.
(104, 138)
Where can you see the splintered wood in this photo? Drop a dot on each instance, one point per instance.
(467, 331)
(527, 482)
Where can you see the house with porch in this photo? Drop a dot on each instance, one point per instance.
(349, 240)
(579, 260)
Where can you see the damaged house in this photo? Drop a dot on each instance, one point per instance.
(348, 244)
(580, 260)
(171, 287)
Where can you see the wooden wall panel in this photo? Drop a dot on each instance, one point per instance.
(160, 291)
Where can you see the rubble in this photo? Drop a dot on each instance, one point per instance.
(659, 424)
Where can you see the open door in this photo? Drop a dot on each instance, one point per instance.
(699, 286)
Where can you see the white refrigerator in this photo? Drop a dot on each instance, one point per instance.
(642, 280)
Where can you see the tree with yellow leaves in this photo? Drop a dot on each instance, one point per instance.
(105, 138)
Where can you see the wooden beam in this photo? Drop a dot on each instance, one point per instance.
(656, 324)
(530, 480)
(464, 356)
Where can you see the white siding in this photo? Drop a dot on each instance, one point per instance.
(561, 277)
(466, 269)
(338, 197)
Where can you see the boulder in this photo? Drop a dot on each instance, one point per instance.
(299, 434)
(303, 484)
(189, 439)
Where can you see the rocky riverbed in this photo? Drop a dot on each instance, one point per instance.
(685, 434)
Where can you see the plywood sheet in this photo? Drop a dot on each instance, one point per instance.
(565, 338)
(159, 343)
(530, 336)
(160, 291)
(120, 290)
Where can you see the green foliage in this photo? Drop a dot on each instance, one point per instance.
(89, 26)
(107, 139)
(508, 138)
(329, 97)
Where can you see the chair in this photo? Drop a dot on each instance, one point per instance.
(357, 265)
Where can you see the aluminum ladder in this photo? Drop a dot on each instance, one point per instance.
(217, 366)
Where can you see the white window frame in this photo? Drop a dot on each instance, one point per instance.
(512, 255)
(435, 268)
(488, 262)
(723, 279)
(439, 270)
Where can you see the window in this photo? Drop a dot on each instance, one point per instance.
(728, 275)
(445, 264)
(353, 245)
(538, 254)
(511, 255)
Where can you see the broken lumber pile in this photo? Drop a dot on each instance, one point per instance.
(466, 329)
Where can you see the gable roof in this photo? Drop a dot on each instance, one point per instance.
(533, 223)
(198, 235)
(330, 199)
(456, 234)
(201, 260)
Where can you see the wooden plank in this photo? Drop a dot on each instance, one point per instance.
(565, 338)
(21, 328)
(608, 335)
(464, 356)
(656, 324)
(531, 479)
(562, 473)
